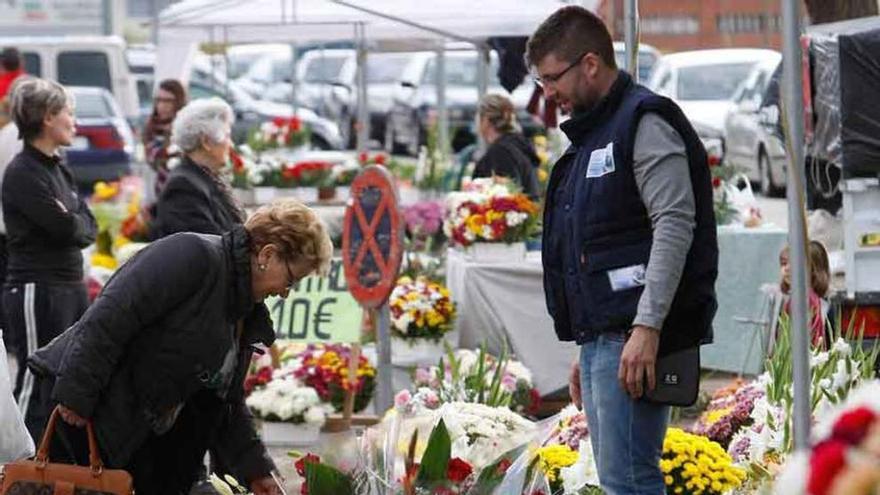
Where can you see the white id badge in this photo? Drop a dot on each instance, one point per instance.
(628, 277)
(601, 162)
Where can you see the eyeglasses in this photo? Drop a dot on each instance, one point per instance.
(554, 78)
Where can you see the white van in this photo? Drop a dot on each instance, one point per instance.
(91, 61)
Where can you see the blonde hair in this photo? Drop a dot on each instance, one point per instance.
(499, 111)
(295, 229)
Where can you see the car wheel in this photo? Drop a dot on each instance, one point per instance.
(392, 147)
(768, 188)
(319, 143)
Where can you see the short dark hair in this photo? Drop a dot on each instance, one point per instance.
(10, 59)
(569, 33)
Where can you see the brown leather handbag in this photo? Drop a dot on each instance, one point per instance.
(41, 477)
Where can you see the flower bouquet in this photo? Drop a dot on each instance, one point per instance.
(845, 458)
(694, 464)
(475, 377)
(729, 411)
(325, 368)
(291, 412)
(422, 314)
(490, 211)
(280, 132)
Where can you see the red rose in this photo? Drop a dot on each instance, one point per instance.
(458, 470)
(714, 160)
(716, 182)
(363, 158)
(300, 465)
(502, 467)
(295, 124)
(853, 425)
(826, 461)
(379, 159)
(237, 162)
(535, 401)
(289, 173)
(278, 121)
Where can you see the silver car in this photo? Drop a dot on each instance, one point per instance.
(752, 140)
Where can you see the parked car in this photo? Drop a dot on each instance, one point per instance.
(647, 60)
(104, 144)
(703, 82)
(89, 61)
(251, 113)
(414, 106)
(327, 83)
(242, 57)
(750, 131)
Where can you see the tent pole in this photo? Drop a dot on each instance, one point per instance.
(294, 101)
(797, 239)
(631, 37)
(442, 111)
(363, 111)
(483, 64)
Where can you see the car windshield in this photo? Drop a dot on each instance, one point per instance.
(460, 71)
(92, 106)
(711, 81)
(646, 63)
(323, 69)
(385, 68)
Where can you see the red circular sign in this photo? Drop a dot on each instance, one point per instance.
(372, 246)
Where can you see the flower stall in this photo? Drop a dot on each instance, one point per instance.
(490, 220)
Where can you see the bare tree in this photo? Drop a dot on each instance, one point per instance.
(822, 11)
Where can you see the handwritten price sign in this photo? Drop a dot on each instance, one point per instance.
(319, 310)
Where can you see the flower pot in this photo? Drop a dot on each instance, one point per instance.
(280, 434)
(496, 252)
(263, 195)
(326, 193)
(420, 352)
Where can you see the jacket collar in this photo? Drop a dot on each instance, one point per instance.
(33, 152)
(257, 325)
(580, 124)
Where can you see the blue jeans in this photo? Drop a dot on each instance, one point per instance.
(626, 434)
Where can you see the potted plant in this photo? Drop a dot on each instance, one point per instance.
(292, 413)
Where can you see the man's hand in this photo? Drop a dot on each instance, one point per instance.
(265, 486)
(638, 360)
(70, 417)
(574, 383)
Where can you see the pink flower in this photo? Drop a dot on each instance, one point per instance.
(423, 376)
(432, 401)
(509, 383)
(402, 399)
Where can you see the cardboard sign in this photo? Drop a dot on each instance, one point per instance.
(318, 310)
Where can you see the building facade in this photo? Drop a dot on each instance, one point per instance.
(677, 25)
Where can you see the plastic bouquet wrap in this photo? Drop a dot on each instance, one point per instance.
(473, 376)
(489, 210)
(558, 460)
(420, 308)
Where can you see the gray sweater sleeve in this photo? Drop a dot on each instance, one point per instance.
(662, 176)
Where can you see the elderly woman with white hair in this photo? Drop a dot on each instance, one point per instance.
(195, 197)
(47, 226)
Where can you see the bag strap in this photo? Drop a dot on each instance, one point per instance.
(42, 457)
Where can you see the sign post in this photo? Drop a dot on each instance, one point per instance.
(372, 250)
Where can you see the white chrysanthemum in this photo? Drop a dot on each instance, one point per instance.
(819, 359)
(793, 479)
(842, 348)
(316, 415)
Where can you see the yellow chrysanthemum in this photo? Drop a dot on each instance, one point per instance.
(104, 260)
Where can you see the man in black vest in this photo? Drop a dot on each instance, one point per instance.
(629, 250)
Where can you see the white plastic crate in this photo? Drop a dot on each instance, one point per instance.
(861, 224)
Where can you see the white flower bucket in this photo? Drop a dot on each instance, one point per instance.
(307, 195)
(418, 352)
(280, 434)
(244, 196)
(496, 252)
(263, 195)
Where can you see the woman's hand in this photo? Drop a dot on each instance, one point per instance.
(265, 486)
(71, 417)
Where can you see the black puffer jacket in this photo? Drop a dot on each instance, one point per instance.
(511, 155)
(157, 332)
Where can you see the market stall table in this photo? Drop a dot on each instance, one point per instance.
(504, 302)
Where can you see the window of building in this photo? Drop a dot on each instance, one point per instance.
(672, 24)
(747, 23)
